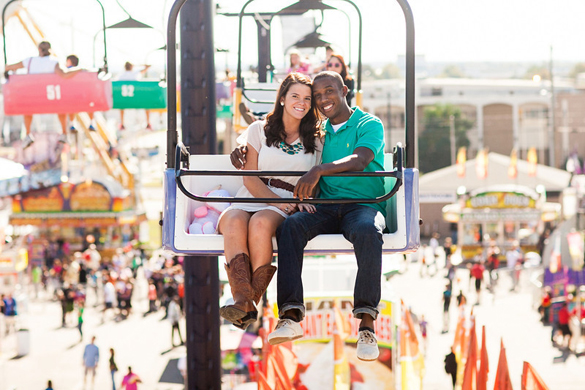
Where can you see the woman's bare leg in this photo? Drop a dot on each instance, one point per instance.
(234, 228)
(261, 229)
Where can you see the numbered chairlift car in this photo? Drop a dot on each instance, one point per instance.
(188, 176)
(139, 94)
(49, 93)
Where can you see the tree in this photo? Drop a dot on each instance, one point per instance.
(578, 68)
(452, 71)
(539, 70)
(434, 145)
(388, 71)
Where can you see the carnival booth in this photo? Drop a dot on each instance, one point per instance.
(503, 214)
(70, 211)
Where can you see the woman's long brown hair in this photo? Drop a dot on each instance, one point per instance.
(310, 124)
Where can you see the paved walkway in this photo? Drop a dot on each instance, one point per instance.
(507, 315)
(56, 353)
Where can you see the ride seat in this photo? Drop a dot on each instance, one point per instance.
(140, 94)
(402, 212)
(49, 93)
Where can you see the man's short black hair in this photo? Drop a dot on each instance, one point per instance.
(73, 59)
(333, 75)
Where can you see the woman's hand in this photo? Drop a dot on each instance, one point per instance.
(287, 208)
(309, 208)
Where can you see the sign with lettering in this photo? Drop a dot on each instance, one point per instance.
(319, 320)
(82, 197)
(501, 200)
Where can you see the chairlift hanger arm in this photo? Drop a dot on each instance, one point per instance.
(172, 135)
(4, 31)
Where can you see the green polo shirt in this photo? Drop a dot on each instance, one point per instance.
(361, 130)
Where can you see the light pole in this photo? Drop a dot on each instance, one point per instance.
(452, 138)
(551, 134)
(389, 116)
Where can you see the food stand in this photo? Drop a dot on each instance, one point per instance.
(504, 214)
(71, 211)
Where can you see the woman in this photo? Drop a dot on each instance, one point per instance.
(113, 367)
(336, 64)
(297, 65)
(288, 140)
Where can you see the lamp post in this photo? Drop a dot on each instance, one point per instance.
(128, 23)
(452, 138)
(389, 116)
(551, 134)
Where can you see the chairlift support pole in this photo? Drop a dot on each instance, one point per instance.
(198, 126)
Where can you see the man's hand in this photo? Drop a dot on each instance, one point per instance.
(306, 185)
(309, 208)
(238, 156)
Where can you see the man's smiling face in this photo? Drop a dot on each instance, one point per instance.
(329, 97)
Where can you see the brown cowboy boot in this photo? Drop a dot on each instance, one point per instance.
(261, 279)
(239, 276)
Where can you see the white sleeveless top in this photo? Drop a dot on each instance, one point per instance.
(282, 158)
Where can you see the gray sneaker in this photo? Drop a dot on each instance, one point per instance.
(62, 139)
(367, 346)
(28, 141)
(286, 330)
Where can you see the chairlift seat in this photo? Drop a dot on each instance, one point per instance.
(260, 97)
(140, 94)
(402, 210)
(49, 93)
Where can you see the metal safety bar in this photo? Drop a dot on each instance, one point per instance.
(182, 155)
(252, 100)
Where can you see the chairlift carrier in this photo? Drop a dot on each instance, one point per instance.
(139, 94)
(183, 184)
(48, 93)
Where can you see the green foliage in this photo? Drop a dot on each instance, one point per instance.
(388, 71)
(434, 145)
(540, 70)
(578, 68)
(452, 71)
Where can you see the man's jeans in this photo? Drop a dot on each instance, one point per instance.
(360, 225)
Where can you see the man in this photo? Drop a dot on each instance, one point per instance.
(354, 141)
(174, 316)
(10, 313)
(477, 274)
(514, 262)
(42, 64)
(130, 74)
(72, 61)
(563, 320)
(109, 297)
(451, 366)
(447, 294)
(91, 357)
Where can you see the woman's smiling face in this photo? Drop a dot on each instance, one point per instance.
(297, 101)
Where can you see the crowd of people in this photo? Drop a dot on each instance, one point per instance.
(112, 284)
